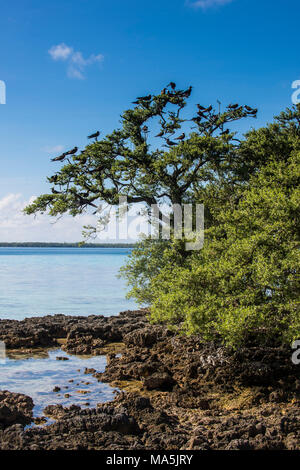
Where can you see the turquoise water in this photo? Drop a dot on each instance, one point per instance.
(72, 281)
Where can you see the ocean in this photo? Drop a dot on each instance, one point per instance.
(72, 281)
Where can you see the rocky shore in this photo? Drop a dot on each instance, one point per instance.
(176, 392)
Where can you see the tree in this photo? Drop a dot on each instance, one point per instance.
(245, 284)
(128, 162)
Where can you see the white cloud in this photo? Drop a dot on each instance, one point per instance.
(15, 226)
(60, 52)
(54, 149)
(205, 4)
(76, 63)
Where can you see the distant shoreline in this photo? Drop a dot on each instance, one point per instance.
(65, 245)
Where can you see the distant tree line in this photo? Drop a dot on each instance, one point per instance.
(65, 245)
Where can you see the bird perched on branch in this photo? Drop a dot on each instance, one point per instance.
(181, 137)
(160, 134)
(188, 92)
(60, 158)
(172, 85)
(53, 179)
(169, 142)
(144, 98)
(197, 119)
(73, 151)
(94, 136)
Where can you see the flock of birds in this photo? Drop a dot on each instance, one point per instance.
(75, 149)
(169, 91)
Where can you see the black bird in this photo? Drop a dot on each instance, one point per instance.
(60, 158)
(94, 136)
(169, 142)
(197, 119)
(181, 137)
(188, 92)
(160, 134)
(53, 179)
(144, 98)
(172, 85)
(73, 151)
(233, 106)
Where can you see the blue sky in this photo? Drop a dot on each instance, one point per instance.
(112, 51)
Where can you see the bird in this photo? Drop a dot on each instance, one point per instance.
(60, 158)
(53, 179)
(94, 136)
(181, 137)
(172, 85)
(233, 106)
(144, 98)
(197, 119)
(169, 142)
(188, 92)
(160, 134)
(73, 151)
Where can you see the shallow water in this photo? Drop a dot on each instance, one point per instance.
(72, 281)
(37, 376)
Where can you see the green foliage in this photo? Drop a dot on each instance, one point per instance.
(245, 283)
(146, 261)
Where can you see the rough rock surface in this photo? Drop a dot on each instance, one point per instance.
(15, 408)
(81, 335)
(180, 393)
